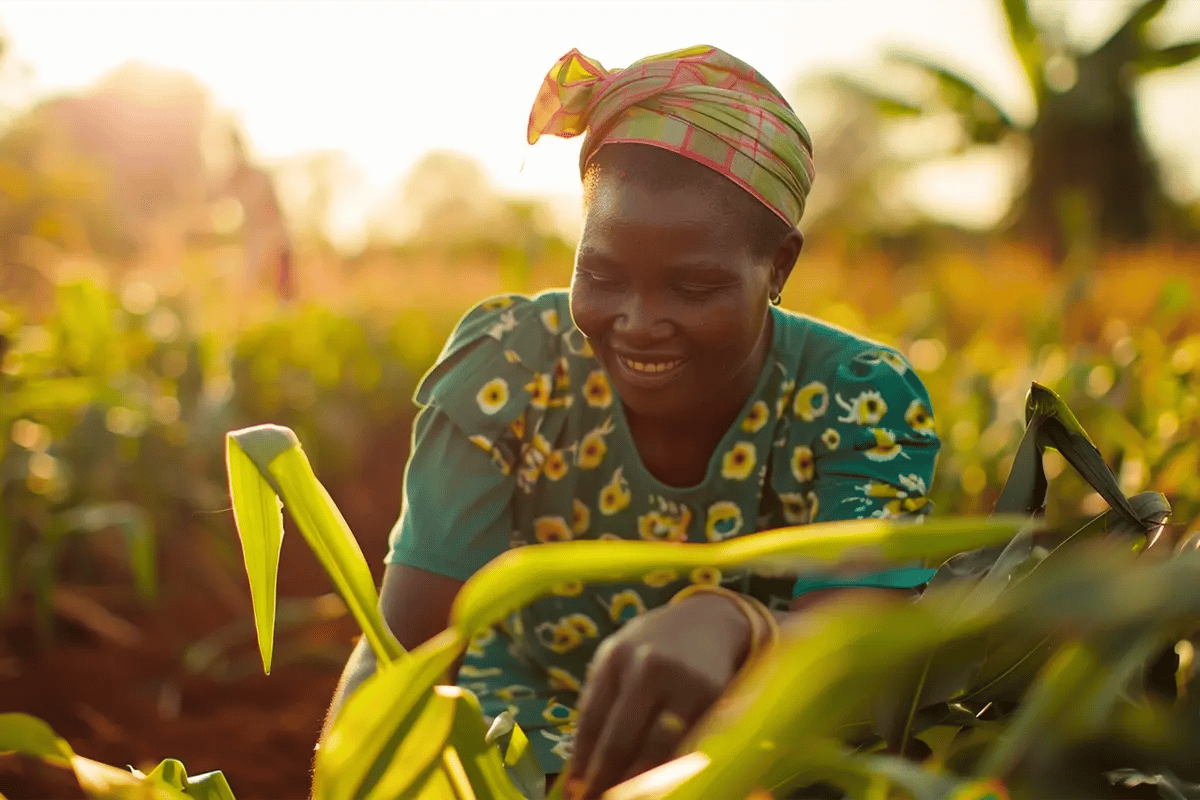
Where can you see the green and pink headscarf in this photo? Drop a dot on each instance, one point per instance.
(699, 102)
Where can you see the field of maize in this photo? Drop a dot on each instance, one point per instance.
(127, 619)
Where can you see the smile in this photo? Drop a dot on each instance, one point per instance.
(651, 367)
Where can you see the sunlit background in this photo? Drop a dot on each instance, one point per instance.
(218, 214)
(382, 83)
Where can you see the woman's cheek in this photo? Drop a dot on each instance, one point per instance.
(585, 311)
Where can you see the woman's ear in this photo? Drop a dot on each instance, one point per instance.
(785, 259)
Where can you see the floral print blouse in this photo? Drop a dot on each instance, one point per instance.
(521, 440)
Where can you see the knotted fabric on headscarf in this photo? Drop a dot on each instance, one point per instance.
(699, 102)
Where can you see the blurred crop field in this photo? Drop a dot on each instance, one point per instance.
(117, 549)
(154, 296)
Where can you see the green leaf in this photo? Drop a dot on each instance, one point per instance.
(1053, 425)
(420, 746)
(50, 395)
(889, 105)
(374, 721)
(105, 782)
(209, 786)
(1026, 41)
(1133, 29)
(1168, 57)
(7, 565)
(132, 523)
(30, 736)
(171, 772)
(517, 577)
(983, 118)
(256, 513)
(1025, 489)
(276, 454)
(482, 763)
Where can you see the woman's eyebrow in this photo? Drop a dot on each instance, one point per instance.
(595, 258)
(705, 270)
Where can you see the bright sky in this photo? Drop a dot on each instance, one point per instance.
(387, 81)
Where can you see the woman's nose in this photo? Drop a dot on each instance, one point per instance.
(640, 319)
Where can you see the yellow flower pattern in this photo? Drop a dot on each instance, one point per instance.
(867, 408)
(885, 448)
(625, 605)
(596, 390)
(561, 679)
(660, 578)
(493, 396)
(738, 463)
(803, 463)
(785, 396)
(551, 529)
(539, 390)
(724, 520)
(918, 417)
(795, 508)
(543, 409)
(655, 526)
(615, 494)
(812, 401)
(568, 588)
(831, 438)
(756, 417)
(562, 375)
(592, 447)
(581, 517)
(556, 466)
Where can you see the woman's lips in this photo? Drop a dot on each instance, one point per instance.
(649, 373)
(651, 367)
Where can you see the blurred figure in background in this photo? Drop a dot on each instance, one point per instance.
(269, 258)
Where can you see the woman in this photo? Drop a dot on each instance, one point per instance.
(664, 398)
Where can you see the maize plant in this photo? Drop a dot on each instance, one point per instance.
(1028, 668)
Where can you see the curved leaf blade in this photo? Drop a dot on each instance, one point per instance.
(522, 575)
(371, 726)
(27, 735)
(276, 456)
(1168, 57)
(259, 521)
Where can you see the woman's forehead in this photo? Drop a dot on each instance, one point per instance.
(617, 201)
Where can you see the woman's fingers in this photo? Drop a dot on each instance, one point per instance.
(625, 725)
(683, 706)
(599, 690)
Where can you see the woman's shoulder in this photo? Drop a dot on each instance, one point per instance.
(495, 359)
(816, 346)
(831, 367)
(511, 316)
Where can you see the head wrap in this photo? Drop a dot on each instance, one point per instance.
(699, 102)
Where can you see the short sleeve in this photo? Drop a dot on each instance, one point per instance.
(459, 481)
(873, 454)
(455, 517)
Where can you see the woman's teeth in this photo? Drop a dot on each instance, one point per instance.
(651, 368)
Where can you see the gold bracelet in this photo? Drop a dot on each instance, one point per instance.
(764, 630)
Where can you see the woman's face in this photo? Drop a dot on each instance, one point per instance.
(672, 301)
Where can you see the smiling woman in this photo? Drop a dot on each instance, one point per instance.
(663, 398)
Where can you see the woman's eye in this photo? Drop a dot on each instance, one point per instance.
(695, 291)
(602, 281)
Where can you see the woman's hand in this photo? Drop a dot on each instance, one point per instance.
(648, 684)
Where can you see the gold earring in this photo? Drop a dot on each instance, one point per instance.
(776, 299)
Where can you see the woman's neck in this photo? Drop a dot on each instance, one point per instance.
(678, 451)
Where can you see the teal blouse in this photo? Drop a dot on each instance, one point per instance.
(521, 440)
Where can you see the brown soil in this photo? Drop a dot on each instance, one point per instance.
(136, 704)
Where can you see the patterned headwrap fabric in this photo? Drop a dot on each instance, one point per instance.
(699, 102)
